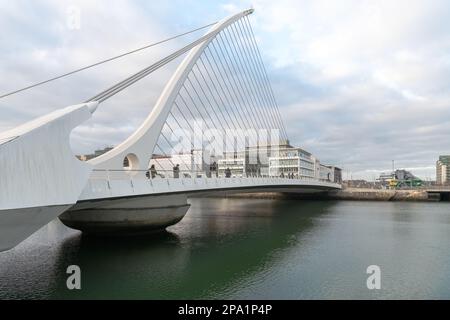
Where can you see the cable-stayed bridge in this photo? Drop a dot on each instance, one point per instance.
(216, 127)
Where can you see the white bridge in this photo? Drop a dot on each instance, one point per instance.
(221, 87)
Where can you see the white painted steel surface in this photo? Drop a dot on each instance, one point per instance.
(39, 171)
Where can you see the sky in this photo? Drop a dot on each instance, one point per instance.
(359, 83)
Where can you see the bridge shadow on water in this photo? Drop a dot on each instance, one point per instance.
(220, 243)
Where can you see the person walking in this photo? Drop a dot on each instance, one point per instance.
(176, 171)
(153, 172)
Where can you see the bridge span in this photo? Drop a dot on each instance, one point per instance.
(137, 203)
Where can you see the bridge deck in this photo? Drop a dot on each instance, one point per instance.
(103, 188)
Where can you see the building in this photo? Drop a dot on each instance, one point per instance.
(330, 173)
(236, 165)
(338, 175)
(281, 160)
(288, 160)
(96, 153)
(253, 161)
(326, 173)
(363, 184)
(399, 179)
(268, 160)
(443, 170)
(190, 164)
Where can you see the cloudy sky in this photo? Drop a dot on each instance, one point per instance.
(359, 83)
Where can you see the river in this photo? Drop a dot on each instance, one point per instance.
(247, 249)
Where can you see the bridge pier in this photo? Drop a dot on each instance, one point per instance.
(127, 215)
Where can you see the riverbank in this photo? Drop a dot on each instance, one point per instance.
(348, 194)
(358, 194)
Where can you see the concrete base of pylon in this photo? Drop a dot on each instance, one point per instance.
(127, 216)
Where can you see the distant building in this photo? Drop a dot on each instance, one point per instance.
(443, 170)
(96, 153)
(270, 160)
(362, 184)
(337, 174)
(326, 173)
(190, 164)
(236, 165)
(294, 161)
(399, 179)
(281, 160)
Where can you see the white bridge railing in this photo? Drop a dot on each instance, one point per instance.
(119, 183)
(131, 175)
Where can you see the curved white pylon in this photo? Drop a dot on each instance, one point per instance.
(142, 142)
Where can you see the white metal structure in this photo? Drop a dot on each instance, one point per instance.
(41, 179)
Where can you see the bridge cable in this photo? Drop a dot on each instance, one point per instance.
(229, 101)
(234, 94)
(263, 88)
(263, 76)
(261, 64)
(208, 75)
(106, 60)
(179, 125)
(228, 97)
(238, 68)
(213, 109)
(250, 101)
(256, 89)
(240, 86)
(253, 103)
(227, 87)
(201, 101)
(207, 99)
(108, 93)
(190, 97)
(265, 107)
(169, 143)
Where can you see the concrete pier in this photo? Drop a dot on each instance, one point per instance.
(130, 215)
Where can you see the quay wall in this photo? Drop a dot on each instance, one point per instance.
(348, 194)
(380, 195)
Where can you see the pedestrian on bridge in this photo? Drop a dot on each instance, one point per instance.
(213, 169)
(176, 171)
(151, 173)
